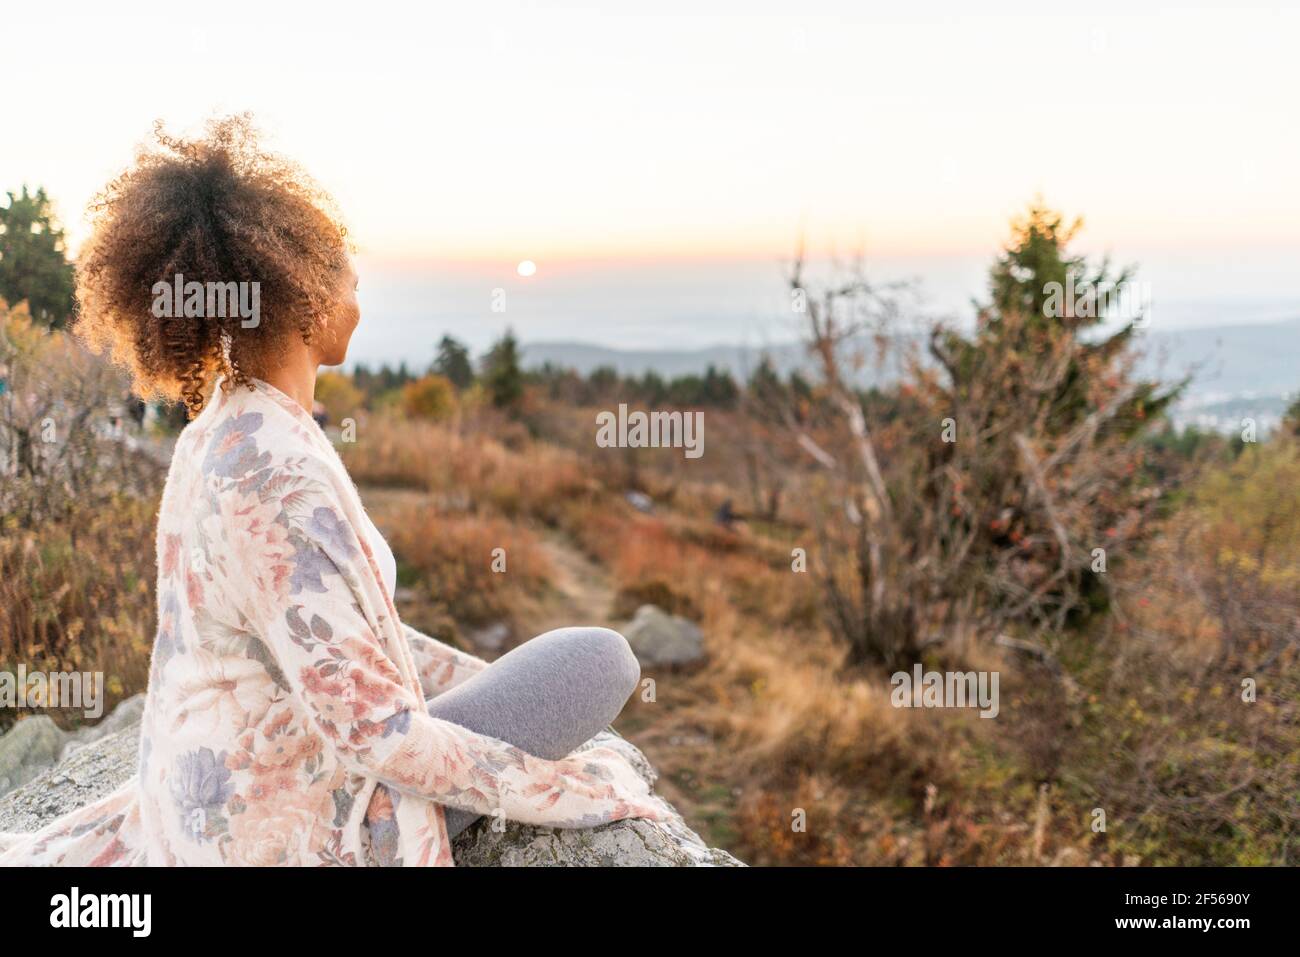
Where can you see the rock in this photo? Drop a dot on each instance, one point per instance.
(624, 844)
(100, 766)
(661, 639)
(27, 749)
(87, 774)
(37, 743)
(634, 843)
(640, 501)
(491, 637)
(127, 713)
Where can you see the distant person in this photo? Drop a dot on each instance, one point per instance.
(726, 515)
(136, 409)
(291, 718)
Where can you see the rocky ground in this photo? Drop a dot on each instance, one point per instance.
(91, 763)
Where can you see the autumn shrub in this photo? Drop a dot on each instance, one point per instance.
(431, 398)
(79, 495)
(467, 470)
(475, 567)
(340, 396)
(1192, 731)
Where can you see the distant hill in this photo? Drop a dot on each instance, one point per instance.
(667, 362)
(1247, 369)
(1258, 358)
(786, 357)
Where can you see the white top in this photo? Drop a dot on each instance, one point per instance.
(383, 557)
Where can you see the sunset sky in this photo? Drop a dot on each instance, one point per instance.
(462, 138)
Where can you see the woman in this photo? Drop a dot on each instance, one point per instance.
(291, 718)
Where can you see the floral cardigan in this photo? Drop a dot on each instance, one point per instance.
(285, 719)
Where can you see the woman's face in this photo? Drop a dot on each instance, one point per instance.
(333, 349)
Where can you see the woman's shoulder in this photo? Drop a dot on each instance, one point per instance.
(247, 440)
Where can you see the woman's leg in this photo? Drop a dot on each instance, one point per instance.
(547, 697)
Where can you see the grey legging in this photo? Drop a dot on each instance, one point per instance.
(548, 696)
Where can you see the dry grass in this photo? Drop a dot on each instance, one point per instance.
(75, 596)
(1199, 771)
(465, 470)
(449, 560)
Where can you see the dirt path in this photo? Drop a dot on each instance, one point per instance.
(584, 593)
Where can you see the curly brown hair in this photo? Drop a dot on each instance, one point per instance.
(215, 209)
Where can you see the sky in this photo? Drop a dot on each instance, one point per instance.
(659, 163)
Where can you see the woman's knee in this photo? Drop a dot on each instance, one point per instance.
(608, 653)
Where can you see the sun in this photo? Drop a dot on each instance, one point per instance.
(526, 268)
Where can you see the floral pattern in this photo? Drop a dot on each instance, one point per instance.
(286, 721)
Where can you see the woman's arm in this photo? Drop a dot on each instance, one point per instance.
(333, 661)
(441, 666)
(336, 664)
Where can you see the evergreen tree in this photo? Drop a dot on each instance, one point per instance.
(501, 372)
(1043, 415)
(604, 383)
(1052, 297)
(686, 390)
(718, 388)
(765, 388)
(652, 388)
(33, 266)
(453, 363)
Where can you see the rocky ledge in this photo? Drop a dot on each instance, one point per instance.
(98, 766)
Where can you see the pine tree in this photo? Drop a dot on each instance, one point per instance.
(33, 266)
(1047, 413)
(1031, 312)
(501, 372)
(453, 363)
